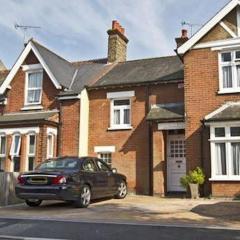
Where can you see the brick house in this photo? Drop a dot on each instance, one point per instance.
(153, 119)
(211, 83)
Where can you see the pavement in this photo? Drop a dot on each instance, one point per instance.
(154, 211)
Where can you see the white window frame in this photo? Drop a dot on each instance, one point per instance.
(12, 153)
(228, 139)
(26, 103)
(121, 108)
(28, 149)
(5, 150)
(233, 65)
(110, 153)
(50, 154)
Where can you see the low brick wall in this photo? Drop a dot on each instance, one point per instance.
(7, 189)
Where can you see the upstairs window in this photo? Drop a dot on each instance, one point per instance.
(229, 68)
(34, 88)
(120, 114)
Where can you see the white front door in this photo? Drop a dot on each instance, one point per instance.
(176, 162)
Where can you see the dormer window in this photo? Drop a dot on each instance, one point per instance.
(33, 87)
(229, 69)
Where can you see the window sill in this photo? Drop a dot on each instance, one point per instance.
(230, 91)
(120, 128)
(32, 107)
(224, 179)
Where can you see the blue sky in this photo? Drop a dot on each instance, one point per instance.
(76, 29)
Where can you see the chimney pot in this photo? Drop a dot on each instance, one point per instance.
(117, 43)
(184, 33)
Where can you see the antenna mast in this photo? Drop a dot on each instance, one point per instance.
(25, 28)
(191, 25)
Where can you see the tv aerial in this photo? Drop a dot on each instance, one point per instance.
(191, 25)
(24, 29)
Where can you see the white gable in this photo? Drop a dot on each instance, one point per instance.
(30, 46)
(208, 26)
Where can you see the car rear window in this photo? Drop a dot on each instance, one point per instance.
(65, 163)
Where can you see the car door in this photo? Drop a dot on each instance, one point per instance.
(107, 175)
(90, 173)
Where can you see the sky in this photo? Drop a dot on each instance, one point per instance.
(76, 29)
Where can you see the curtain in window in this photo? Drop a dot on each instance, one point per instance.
(227, 77)
(34, 96)
(235, 158)
(116, 116)
(126, 116)
(35, 80)
(221, 168)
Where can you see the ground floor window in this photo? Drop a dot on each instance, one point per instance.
(106, 157)
(15, 152)
(31, 151)
(50, 146)
(225, 151)
(2, 152)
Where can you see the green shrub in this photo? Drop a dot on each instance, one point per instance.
(196, 176)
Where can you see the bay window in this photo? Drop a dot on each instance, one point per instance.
(229, 69)
(15, 152)
(33, 93)
(225, 152)
(50, 146)
(31, 151)
(2, 152)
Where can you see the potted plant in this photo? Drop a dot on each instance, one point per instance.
(192, 181)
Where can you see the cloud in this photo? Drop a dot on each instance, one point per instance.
(76, 29)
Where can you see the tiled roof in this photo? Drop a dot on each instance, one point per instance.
(26, 116)
(167, 112)
(143, 71)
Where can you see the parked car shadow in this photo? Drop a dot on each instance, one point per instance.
(223, 210)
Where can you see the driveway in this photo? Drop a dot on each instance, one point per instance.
(138, 209)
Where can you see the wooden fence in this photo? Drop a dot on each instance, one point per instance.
(7, 188)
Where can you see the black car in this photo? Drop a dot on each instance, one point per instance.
(78, 180)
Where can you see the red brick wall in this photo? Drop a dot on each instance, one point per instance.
(132, 146)
(201, 98)
(69, 133)
(16, 93)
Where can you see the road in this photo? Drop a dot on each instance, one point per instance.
(41, 229)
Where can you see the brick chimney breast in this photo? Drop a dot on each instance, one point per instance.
(117, 43)
(181, 40)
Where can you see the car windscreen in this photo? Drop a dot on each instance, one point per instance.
(55, 164)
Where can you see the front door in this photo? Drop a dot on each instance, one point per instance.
(176, 162)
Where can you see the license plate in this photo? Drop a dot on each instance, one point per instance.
(38, 180)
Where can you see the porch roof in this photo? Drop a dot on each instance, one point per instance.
(170, 112)
(29, 117)
(227, 112)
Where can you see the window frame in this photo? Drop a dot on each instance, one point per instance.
(26, 103)
(233, 64)
(52, 150)
(12, 153)
(121, 108)
(227, 140)
(5, 149)
(28, 149)
(106, 153)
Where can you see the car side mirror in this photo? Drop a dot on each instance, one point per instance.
(114, 170)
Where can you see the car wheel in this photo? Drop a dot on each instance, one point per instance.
(122, 190)
(85, 197)
(33, 203)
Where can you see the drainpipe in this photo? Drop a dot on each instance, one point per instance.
(149, 126)
(59, 135)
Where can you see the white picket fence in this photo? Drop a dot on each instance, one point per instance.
(7, 188)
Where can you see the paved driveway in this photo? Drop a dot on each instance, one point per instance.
(138, 209)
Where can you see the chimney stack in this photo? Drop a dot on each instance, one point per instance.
(181, 40)
(117, 43)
